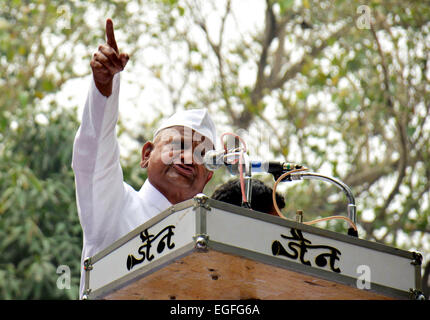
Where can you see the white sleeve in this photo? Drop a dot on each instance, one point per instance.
(96, 164)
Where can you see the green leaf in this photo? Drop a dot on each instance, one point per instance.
(284, 5)
(353, 65)
(48, 85)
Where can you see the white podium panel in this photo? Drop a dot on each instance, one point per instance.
(206, 249)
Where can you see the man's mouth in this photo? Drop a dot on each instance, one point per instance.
(184, 169)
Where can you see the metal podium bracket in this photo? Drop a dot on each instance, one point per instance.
(86, 294)
(417, 258)
(201, 242)
(87, 264)
(416, 295)
(201, 201)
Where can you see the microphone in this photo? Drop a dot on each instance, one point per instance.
(213, 159)
(273, 166)
(276, 168)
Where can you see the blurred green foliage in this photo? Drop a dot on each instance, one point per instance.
(39, 225)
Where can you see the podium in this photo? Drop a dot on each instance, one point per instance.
(203, 249)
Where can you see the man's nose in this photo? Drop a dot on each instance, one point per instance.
(187, 155)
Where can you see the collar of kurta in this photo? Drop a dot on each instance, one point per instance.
(150, 194)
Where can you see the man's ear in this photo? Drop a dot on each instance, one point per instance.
(146, 152)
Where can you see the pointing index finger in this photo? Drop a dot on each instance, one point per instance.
(110, 35)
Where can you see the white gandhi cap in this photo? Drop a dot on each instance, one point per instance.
(197, 119)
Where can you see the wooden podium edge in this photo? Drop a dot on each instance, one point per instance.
(307, 270)
(203, 208)
(146, 271)
(142, 272)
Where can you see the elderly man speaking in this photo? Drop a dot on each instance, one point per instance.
(109, 208)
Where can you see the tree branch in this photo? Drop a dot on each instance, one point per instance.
(402, 164)
(270, 33)
(216, 48)
(296, 68)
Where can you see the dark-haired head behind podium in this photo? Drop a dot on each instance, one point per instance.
(262, 201)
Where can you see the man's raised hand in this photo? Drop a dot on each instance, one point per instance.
(107, 61)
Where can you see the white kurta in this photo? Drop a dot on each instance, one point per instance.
(108, 208)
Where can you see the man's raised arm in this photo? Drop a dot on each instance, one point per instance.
(98, 174)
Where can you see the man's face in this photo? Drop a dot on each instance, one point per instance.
(175, 163)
